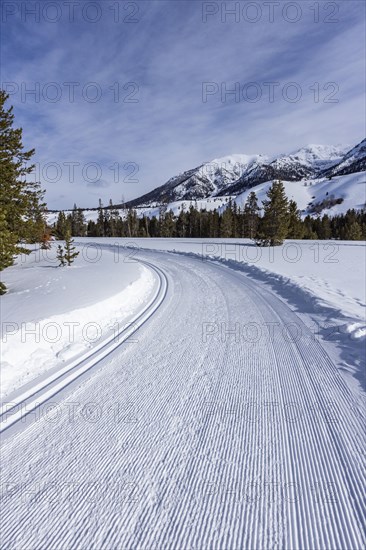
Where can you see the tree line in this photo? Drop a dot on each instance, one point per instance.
(277, 220)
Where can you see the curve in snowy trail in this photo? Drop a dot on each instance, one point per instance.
(220, 428)
(40, 392)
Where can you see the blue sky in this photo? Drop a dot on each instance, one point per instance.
(149, 62)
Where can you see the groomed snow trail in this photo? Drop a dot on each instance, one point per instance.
(28, 400)
(191, 437)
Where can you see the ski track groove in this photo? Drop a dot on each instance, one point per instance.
(340, 450)
(176, 445)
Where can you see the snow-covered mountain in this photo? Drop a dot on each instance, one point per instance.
(320, 178)
(353, 161)
(307, 162)
(231, 175)
(207, 180)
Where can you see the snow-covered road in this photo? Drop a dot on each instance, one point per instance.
(224, 424)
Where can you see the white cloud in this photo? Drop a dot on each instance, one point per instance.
(169, 54)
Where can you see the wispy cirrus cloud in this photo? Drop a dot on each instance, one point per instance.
(132, 109)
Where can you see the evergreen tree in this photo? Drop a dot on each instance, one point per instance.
(181, 224)
(309, 232)
(132, 223)
(70, 251)
(61, 256)
(77, 222)
(91, 230)
(235, 223)
(353, 232)
(214, 225)
(114, 220)
(251, 216)
(62, 226)
(192, 225)
(167, 225)
(8, 247)
(295, 224)
(273, 226)
(36, 219)
(154, 227)
(324, 228)
(21, 201)
(107, 223)
(227, 222)
(100, 225)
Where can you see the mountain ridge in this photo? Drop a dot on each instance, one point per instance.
(233, 174)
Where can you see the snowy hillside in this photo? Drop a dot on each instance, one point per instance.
(320, 178)
(324, 196)
(313, 196)
(313, 158)
(353, 161)
(308, 162)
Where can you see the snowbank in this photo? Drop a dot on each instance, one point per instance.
(51, 315)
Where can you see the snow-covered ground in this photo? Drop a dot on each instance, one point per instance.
(325, 279)
(331, 272)
(230, 424)
(307, 193)
(52, 315)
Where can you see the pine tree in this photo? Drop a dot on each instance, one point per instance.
(227, 222)
(77, 222)
(61, 256)
(324, 230)
(181, 224)
(192, 222)
(273, 226)
(107, 223)
(114, 220)
(309, 232)
(154, 227)
(21, 201)
(251, 216)
(132, 223)
(70, 251)
(62, 226)
(235, 211)
(8, 248)
(167, 225)
(354, 232)
(214, 225)
(36, 220)
(295, 225)
(100, 220)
